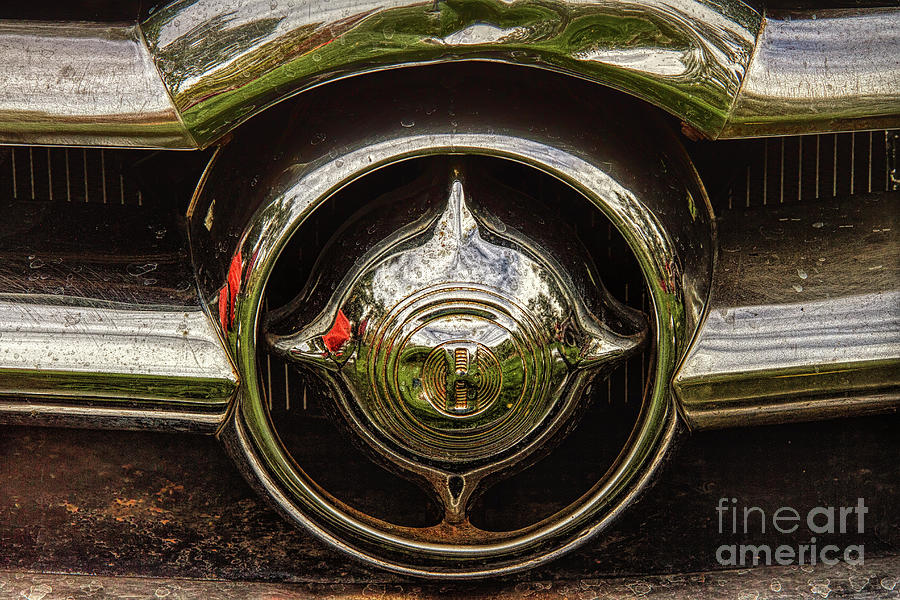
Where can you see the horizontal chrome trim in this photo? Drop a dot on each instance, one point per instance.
(825, 71)
(85, 359)
(804, 316)
(100, 321)
(196, 69)
(75, 415)
(83, 84)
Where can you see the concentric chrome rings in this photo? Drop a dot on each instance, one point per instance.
(405, 365)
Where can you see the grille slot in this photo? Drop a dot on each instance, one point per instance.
(98, 177)
(88, 176)
(785, 170)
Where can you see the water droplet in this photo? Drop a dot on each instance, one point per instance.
(858, 582)
(802, 274)
(136, 270)
(797, 288)
(818, 225)
(36, 263)
(821, 589)
(317, 138)
(407, 123)
(775, 586)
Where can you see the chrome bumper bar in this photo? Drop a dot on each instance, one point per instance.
(123, 367)
(803, 321)
(193, 71)
(101, 324)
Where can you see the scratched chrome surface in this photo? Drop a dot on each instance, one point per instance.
(100, 321)
(457, 345)
(827, 71)
(59, 347)
(222, 66)
(83, 84)
(196, 69)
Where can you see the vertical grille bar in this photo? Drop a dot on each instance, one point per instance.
(892, 150)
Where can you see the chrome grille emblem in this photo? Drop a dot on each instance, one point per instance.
(448, 239)
(460, 380)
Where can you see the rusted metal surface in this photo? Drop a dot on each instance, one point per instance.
(878, 579)
(117, 504)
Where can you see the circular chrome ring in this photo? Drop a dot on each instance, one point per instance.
(286, 480)
(254, 441)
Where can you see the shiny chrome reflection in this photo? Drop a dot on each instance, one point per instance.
(196, 69)
(101, 324)
(83, 84)
(804, 316)
(459, 345)
(86, 364)
(666, 224)
(826, 71)
(222, 66)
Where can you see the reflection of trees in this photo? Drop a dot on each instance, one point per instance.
(412, 359)
(208, 45)
(241, 68)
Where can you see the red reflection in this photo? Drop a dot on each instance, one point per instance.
(229, 292)
(339, 334)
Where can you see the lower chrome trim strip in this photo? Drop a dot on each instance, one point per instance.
(104, 417)
(101, 365)
(804, 318)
